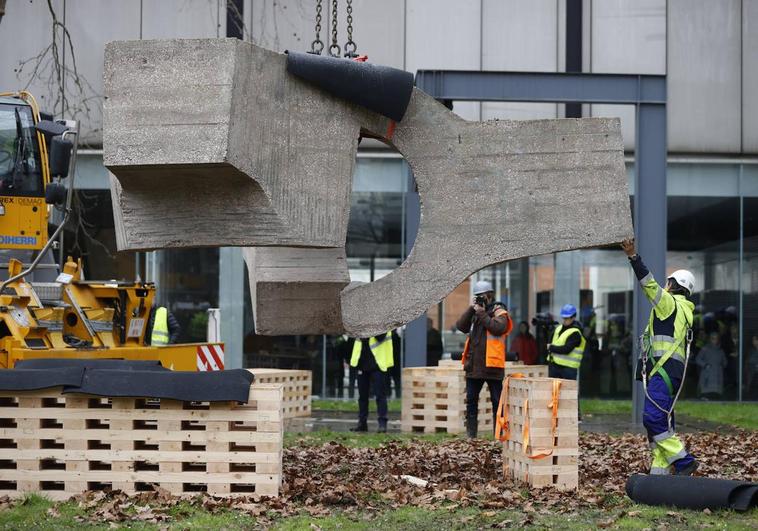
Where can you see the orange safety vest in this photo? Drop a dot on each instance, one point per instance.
(495, 352)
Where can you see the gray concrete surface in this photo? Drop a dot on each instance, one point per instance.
(296, 290)
(212, 143)
(491, 192)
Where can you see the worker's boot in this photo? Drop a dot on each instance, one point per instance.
(472, 426)
(382, 427)
(362, 426)
(688, 470)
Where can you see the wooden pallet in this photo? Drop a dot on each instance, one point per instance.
(297, 389)
(60, 445)
(434, 400)
(560, 469)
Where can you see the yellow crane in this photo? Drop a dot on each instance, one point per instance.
(71, 317)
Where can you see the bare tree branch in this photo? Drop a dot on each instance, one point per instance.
(69, 93)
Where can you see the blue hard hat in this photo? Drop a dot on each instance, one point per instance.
(568, 310)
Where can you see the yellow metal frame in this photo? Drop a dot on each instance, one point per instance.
(33, 331)
(25, 218)
(175, 357)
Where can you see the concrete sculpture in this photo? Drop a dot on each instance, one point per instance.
(214, 143)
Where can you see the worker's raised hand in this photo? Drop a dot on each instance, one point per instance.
(628, 246)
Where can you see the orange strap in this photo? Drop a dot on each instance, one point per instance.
(390, 130)
(542, 452)
(502, 428)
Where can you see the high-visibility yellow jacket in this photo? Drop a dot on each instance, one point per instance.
(381, 349)
(160, 335)
(574, 358)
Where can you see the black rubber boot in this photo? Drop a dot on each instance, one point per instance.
(360, 427)
(472, 426)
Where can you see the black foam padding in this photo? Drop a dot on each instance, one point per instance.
(381, 89)
(120, 364)
(33, 379)
(211, 386)
(688, 492)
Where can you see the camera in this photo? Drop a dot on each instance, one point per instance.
(480, 300)
(543, 320)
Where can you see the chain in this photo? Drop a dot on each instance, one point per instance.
(350, 46)
(334, 46)
(317, 45)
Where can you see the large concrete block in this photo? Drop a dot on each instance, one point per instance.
(213, 143)
(296, 290)
(491, 192)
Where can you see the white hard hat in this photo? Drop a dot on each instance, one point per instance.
(684, 278)
(482, 286)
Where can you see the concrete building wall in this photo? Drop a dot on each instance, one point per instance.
(707, 47)
(704, 76)
(750, 76)
(627, 37)
(519, 35)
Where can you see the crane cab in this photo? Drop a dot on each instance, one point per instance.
(23, 176)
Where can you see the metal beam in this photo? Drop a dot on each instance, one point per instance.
(649, 214)
(231, 278)
(554, 87)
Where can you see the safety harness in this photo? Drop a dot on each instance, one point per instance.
(658, 367)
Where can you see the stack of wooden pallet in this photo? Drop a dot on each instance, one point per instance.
(551, 456)
(297, 386)
(434, 400)
(63, 444)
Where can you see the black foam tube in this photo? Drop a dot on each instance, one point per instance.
(381, 89)
(211, 386)
(688, 492)
(34, 379)
(120, 364)
(131, 380)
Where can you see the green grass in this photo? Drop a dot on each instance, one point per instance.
(626, 516)
(741, 415)
(39, 513)
(33, 514)
(594, 406)
(358, 440)
(351, 405)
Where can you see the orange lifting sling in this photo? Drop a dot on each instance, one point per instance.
(502, 426)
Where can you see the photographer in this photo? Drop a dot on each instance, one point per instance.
(487, 323)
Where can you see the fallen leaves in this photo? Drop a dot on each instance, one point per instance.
(453, 474)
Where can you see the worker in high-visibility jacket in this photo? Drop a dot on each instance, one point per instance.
(372, 357)
(487, 324)
(162, 327)
(665, 342)
(566, 349)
